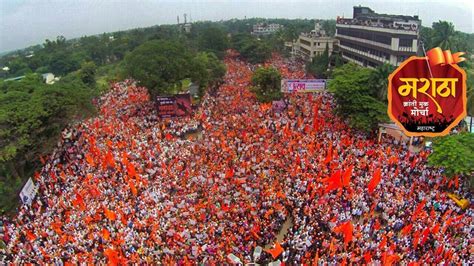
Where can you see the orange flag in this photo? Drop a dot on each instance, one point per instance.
(79, 202)
(347, 230)
(418, 209)
(276, 251)
(105, 234)
(346, 177)
(367, 257)
(281, 195)
(329, 154)
(112, 256)
(375, 180)
(110, 214)
(334, 182)
(229, 173)
(109, 160)
(90, 160)
(407, 229)
(30, 235)
(133, 189)
(383, 242)
(132, 172)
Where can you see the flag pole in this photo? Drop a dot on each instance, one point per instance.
(426, 57)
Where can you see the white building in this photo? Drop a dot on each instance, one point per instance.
(48, 78)
(265, 29)
(313, 43)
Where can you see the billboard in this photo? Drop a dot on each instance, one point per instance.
(183, 104)
(172, 106)
(28, 192)
(303, 85)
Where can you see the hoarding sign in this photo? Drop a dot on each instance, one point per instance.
(171, 106)
(303, 85)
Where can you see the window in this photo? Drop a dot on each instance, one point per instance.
(406, 42)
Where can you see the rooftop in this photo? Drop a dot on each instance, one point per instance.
(364, 16)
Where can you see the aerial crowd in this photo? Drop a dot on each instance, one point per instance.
(129, 187)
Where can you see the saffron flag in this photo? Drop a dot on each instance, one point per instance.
(346, 177)
(329, 154)
(109, 160)
(418, 209)
(406, 230)
(112, 256)
(133, 189)
(334, 182)
(375, 180)
(276, 251)
(229, 173)
(30, 235)
(347, 230)
(110, 214)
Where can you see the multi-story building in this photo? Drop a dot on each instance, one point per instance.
(371, 39)
(265, 29)
(313, 43)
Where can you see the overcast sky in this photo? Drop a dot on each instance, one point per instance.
(28, 22)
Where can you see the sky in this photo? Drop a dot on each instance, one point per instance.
(29, 22)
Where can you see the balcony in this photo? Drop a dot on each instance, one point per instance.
(382, 45)
(366, 54)
(391, 30)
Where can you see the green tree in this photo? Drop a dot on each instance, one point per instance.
(266, 84)
(159, 65)
(87, 73)
(31, 121)
(213, 39)
(354, 97)
(444, 35)
(379, 81)
(329, 26)
(207, 70)
(252, 49)
(454, 154)
(318, 67)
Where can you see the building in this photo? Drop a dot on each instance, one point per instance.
(187, 27)
(261, 29)
(48, 78)
(313, 43)
(371, 39)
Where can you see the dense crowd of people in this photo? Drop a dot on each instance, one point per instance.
(126, 187)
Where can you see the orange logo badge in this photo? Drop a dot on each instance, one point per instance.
(427, 95)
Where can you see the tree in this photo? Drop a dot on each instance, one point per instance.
(159, 65)
(266, 84)
(254, 50)
(318, 67)
(354, 97)
(329, 26)
(443, 35)
(32, 115)
(454, 154)
(379, 81)
(207, 70)
(87, 73)
(213, 39)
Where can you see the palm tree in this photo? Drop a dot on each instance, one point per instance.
(379, 81)
(444, 35)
